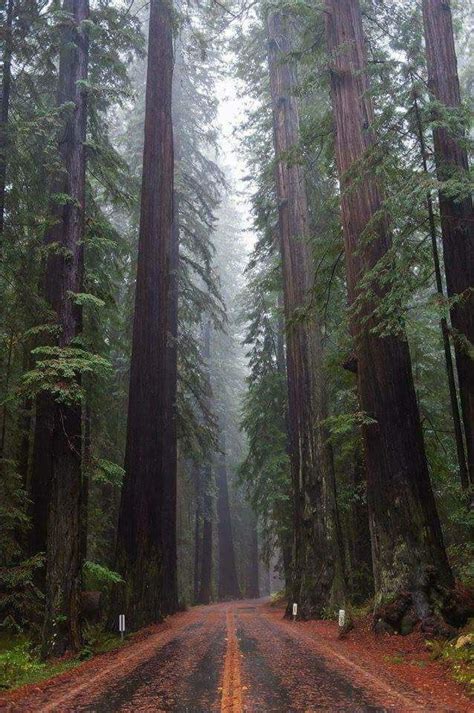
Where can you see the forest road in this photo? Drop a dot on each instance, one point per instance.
(229, 657)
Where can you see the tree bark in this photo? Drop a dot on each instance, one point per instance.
(197, 534)
(5, 104)
(4, 418)
(42, 459)
(285, 537)
(170, 440)
(457, 215)
(228, 584)
(86, 470)
(144, 527)
(358, 538)
(252, 589)
(458, 434)
(205, 584)
(318, 577)
(264, 579)
(407, 545)
(25, 421)
(56, 468)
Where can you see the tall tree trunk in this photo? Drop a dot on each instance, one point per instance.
(86, 471)
(358, 538)
(197, 533)
(144, 526)
(206, 482)
(5, 104)
(228, 584)
(318, 578)
(286, 536)
(4, 417)
(170, 440)
(280, 346)
(56, 468)
(264, 579)
(25, 427)
(457, 215)
(407, 544)
(42, 459)
(285, 546)
(463, 470)
(252, 589)
(205, 585)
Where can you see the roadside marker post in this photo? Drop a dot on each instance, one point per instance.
(342, 618)
(122, 625)
(295, 610)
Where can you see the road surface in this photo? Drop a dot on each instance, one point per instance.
(230, 657)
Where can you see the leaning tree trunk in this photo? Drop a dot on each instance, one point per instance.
(228, 585)
(5, 104)
(409, 559)
(318, 577)
(144, 526)
(453, 396)
(170, 436)
(56, 469)
(457, 215)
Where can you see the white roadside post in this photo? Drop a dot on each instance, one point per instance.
(295, 610)
(342, 618)
(122, 625)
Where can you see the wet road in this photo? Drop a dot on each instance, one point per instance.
(232, 658)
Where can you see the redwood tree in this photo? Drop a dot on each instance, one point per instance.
(170, 439)
(145, 520)
(252, 589)
(228, 585)
(206, 502)
(318, 577)
(205, 578)
(196, 477)
(457, 215)
(409, 559)
(56, 469)
(457, 423)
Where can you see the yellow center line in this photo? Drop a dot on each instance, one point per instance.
(231, 701)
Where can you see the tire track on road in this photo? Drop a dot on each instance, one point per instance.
(285, 677)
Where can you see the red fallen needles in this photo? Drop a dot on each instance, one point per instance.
(402, 659)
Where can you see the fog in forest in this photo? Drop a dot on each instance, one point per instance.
(236, 332)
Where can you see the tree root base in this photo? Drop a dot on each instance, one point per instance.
(438, 613)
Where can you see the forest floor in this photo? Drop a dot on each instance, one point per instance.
(243, 656)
